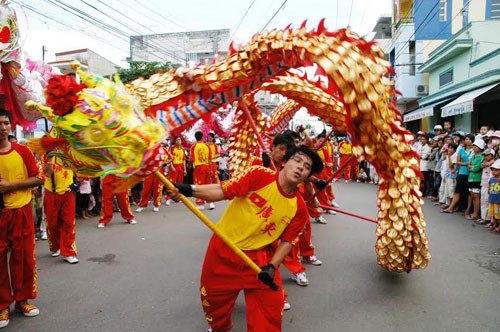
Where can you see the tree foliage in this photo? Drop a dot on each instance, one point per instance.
(144, 69)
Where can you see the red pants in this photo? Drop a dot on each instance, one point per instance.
(60, 220)
(151, 183)
(292, 261)
(224, 275)
(17, 232)
(107, 203)
(202, 175)
(323, 196)
(176, 173)
(305, 246)
(215, 173)
(351, 167)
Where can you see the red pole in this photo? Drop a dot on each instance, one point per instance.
(252, 123)
(348, 213)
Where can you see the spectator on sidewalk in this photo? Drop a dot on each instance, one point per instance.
(494, 197)
(451, 178)
(474, 181)
(489, 156)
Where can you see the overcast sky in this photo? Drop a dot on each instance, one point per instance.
(133, 17)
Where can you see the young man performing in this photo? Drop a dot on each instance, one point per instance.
(178, 171)
(19, 172)
(214, 151)
(59, 208)
(109, 183)
(266, 206)
(201, 157)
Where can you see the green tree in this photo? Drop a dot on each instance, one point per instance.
(144, 69)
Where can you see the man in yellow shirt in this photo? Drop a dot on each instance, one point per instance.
(201, 157)
(19, 172)
(214, 150)
(59, 208)
(265, 207)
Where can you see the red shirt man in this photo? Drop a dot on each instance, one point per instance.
(19, 172)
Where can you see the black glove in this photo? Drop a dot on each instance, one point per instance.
(184, 189)
(267, 276)
(320, 184)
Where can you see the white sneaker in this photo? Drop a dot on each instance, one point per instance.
(56, 253)
(156, 209)
(167, 203)
(312, 260)
(43, 236)
(346, 181)
(132, 222)
(139, 209)
(4, 317)
(71, 259)
(300, 279)
(330, 212)
(200, 207)
(286, 306)
(320, 220)
(211, 206)
(334, 204)
(101, 225)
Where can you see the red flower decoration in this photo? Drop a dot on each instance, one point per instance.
(62, 94)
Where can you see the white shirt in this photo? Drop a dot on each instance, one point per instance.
(424, 151)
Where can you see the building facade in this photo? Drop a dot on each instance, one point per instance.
(464, 78)
(185, 48)
(89, 60)
(419, 28)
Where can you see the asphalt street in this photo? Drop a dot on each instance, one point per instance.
(145, 277)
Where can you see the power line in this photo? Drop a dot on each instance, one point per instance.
(28, 7)
(401, 52)
(118, 32)
(160, 15)
(167, 52)
(242, 18)
(447, 24)
(265, 26)
(337, 15)
(350, 12)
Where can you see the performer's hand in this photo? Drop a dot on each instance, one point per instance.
(267, 276)
(5, 187)
(320, 184)
(185, 173)
(180, 188)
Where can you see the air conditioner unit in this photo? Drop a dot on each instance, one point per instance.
(422, 90)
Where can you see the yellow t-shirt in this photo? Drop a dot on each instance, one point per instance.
(345, 148)
(214, 150)
(178, 156)
(18, 164)
(63, 177)
(200, 154)
(260, 212)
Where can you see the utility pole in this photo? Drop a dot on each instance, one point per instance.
(44, 49)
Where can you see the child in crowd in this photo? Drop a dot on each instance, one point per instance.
(474, 181)
(489, 155)
(451, 173)
(494, 199)
(442, 170)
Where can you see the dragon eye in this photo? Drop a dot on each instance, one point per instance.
(5, 34)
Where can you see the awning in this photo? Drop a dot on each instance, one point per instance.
(419, 113)
(424, 111)
(464, 103)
